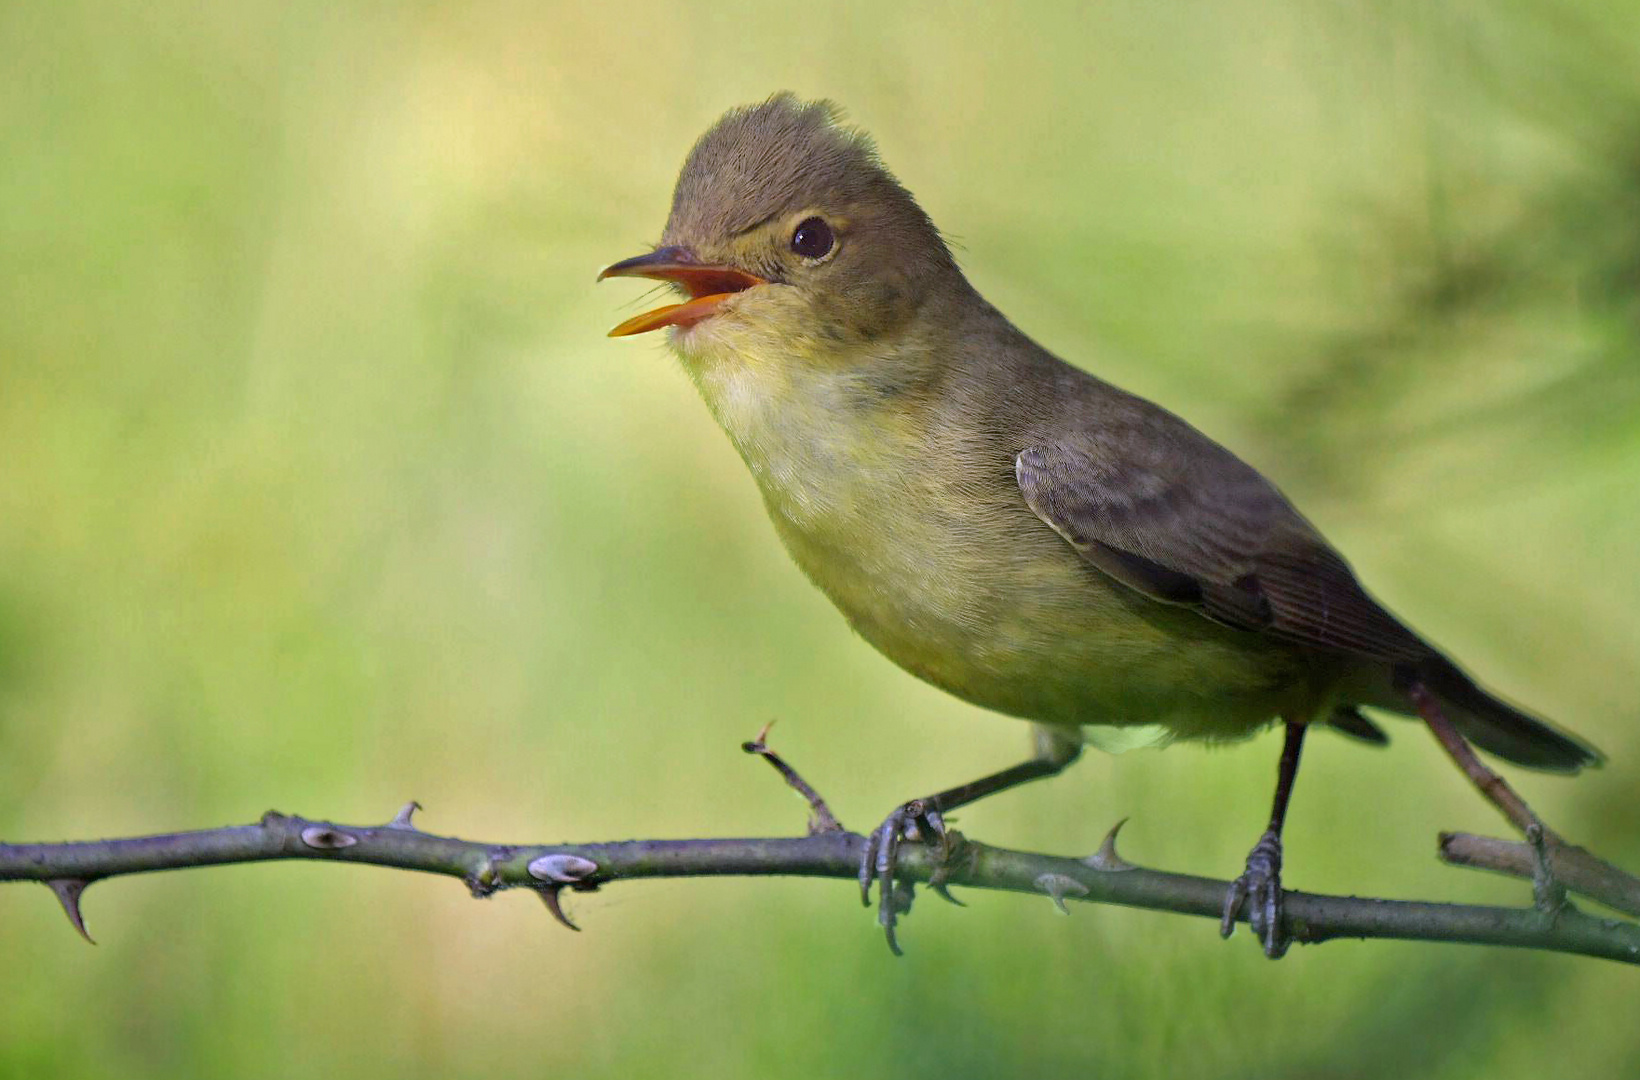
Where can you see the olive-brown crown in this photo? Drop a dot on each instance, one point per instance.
(763, 169)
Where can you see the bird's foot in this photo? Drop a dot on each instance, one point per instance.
(1260, 889)
(1548, 891)
(918, 821)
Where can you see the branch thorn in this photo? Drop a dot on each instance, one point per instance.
(401, 820)
(68, 892)
(1106, 858)
(549, 897)
(1058, 886)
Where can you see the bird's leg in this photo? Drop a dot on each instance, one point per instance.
(1548, 894)
(1493, 787)
(924, 819)
(1260, 886)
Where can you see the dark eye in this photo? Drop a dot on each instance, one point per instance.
(813, 239)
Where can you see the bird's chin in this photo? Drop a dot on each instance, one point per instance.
(730, 336)
(703, 337)
(699, 328)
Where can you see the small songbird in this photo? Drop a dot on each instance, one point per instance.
(1000, 523)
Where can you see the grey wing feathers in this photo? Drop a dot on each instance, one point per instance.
(1206, 530)
(1183, 521)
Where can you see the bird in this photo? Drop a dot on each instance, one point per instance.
(1001, 523)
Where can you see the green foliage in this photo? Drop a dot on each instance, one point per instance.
(320, 489)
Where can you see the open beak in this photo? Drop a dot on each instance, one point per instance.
(708, 286)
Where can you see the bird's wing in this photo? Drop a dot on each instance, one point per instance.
(1204, 529)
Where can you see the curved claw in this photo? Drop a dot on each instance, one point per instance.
(894, 900)
(1260, 890)
(888, 933)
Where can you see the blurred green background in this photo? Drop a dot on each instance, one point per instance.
(321, 489)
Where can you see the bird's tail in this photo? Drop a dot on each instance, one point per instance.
(1500, 728)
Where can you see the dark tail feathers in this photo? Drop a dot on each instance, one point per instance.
(1500, 728)
(1348, 719)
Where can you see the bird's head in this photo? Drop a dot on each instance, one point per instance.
(788, 236)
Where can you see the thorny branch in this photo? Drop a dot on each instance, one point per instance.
(831, 852)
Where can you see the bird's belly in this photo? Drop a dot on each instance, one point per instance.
(929, 550)
(994, 607)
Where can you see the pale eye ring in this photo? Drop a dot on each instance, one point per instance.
(813, 238)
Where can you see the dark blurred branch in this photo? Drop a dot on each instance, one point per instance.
(550, 868)
(1576, 868)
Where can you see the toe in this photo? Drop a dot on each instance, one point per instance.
(915, 820)
(1259, 889)
(1233, 899)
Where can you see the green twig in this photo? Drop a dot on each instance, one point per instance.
(549, 868)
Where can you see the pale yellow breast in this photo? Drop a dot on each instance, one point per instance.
(923, 543)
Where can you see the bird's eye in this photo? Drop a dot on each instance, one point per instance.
(813, 239)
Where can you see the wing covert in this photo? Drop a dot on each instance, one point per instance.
(1207, 531)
